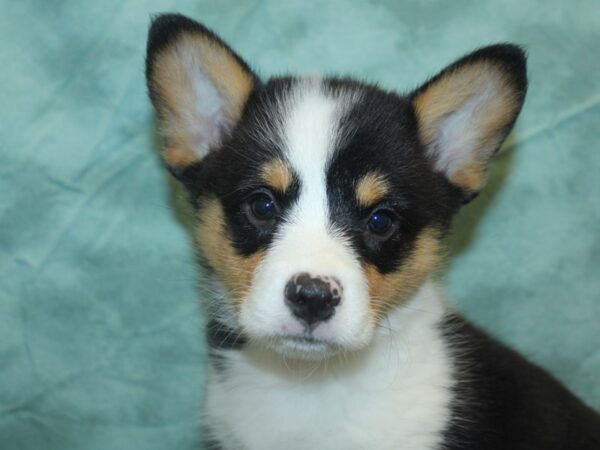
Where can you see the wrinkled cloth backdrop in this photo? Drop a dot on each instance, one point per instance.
(100, 329)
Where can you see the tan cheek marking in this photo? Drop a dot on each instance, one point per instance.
(447, 94)
(277, 175)
(371, 188)
(234, 271)
(389, 290)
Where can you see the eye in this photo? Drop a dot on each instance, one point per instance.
(381, 222)
(261, 209)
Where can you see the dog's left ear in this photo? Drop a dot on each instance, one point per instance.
(465, 112)
(198, 86)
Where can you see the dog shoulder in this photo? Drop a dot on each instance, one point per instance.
(500, 397)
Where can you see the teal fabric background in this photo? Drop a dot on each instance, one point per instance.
(100, 326)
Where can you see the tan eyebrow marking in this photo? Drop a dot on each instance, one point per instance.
(276, 174)
(371, 188)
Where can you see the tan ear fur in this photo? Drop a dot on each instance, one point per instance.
(198, 86)
(465, 113)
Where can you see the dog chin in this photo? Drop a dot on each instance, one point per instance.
(303, 348)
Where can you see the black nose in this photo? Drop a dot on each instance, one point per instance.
(312, 299)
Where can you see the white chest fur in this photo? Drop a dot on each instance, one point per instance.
(393, 395)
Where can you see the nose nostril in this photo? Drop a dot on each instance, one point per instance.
(312, 299)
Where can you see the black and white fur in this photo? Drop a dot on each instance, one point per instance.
(398, 371)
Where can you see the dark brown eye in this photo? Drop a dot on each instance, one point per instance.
(261, 209)
(381, 223)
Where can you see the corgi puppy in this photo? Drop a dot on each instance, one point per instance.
(322, 207)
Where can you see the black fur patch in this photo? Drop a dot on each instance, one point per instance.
(384, 140)
(502, 401)
(221, 337)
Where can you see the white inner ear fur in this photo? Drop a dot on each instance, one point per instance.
(458, 137)
(193, 107)
(463, 118)
(208, 121)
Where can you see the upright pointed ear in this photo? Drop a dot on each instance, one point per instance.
(465, 112)
(198, 86)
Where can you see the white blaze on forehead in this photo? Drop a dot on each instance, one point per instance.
(309, 134)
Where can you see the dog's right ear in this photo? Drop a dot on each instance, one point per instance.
(198, 86)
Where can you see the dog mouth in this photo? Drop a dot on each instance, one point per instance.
(303, 346)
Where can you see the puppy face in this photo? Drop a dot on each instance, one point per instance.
(321, 202)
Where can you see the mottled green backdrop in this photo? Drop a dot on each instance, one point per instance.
(100, 330)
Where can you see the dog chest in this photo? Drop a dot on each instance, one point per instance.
(394, 395)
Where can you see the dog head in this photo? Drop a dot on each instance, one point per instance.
(321, 202)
